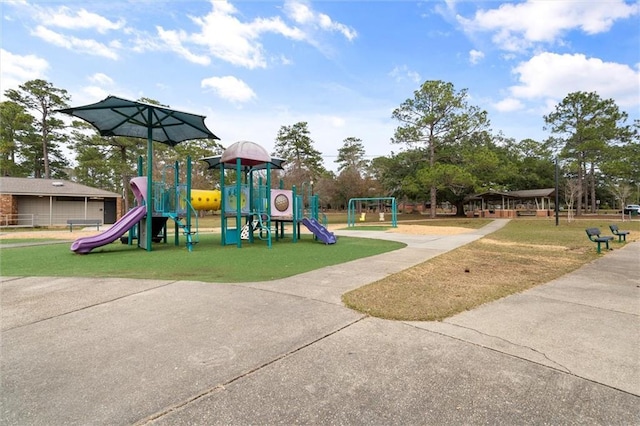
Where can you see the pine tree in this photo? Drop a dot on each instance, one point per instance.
(295, 146)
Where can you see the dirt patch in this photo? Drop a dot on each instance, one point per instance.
(50, 234)
(486, 240)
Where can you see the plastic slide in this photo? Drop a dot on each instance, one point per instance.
(319, 231)
(85, 244)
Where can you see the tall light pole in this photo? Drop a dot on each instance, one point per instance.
(557, 207)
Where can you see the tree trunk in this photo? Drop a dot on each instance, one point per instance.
(592, 181)
(585, 188)
(432, 162)
(433, 202)
(580, 187)
(45, 157)
(45, 144)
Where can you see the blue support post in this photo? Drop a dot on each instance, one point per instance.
(149, 228)
(223, 201)
(294, 200)
(239, 202)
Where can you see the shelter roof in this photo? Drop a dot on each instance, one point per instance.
(50, 187)
(491, 194)
(533, 193)
(523, 194)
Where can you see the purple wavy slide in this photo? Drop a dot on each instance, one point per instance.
(319, 231)
(85, 244)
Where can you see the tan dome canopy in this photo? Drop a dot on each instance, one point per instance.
(250, 154)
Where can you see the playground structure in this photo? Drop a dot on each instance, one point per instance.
(382, 204)
(250, 208)
(174, 201)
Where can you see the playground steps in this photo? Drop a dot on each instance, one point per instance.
(190, 234)
(258, 224)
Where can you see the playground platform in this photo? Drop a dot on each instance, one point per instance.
(121, 351)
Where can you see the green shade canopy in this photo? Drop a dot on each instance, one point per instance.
(115, 116)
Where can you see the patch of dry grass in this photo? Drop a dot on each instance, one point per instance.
(507, 262)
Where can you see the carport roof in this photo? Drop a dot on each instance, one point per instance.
(50, 187)
(533, 193)
(525, 193)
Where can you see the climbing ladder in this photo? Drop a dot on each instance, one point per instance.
(172, 202)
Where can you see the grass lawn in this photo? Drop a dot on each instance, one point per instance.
(208, 262)
(523, 254)
(7, 241)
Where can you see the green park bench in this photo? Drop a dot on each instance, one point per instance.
(84, 222)
(594, 235)
(622, 235)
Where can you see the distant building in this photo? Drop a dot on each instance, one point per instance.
(528, 202)
(50, 202)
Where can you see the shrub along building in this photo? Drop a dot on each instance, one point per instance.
(51, 202)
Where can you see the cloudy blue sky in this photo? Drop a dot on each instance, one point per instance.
(342, 66)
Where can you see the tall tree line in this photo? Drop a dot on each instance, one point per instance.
(447, 151)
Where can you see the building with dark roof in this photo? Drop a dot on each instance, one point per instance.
(51, 202)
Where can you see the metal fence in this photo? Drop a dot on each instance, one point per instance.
(17, 220)
(31, 220)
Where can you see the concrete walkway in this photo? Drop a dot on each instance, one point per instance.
(119, 351)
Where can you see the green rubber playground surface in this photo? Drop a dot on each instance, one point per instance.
(209, 261)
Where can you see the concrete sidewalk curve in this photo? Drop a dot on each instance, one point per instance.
(119, 351)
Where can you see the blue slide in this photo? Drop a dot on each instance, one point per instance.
(85, 244)
(319, 231)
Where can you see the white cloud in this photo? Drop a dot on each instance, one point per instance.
(88, 46)
(517, 26)
(240, 44)
(81, 19)
(333, 120)
(100, 86)
(223, 35)
(508, 105)
(475, 56)
(16, 69)
(94, 94)
(302, 13)
(229, 88)
(299, 12)
(552, 76)
(174, 39)
(102, 79)
(403, 73)
(284, 60)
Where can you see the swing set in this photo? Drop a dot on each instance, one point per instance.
(379, 204)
